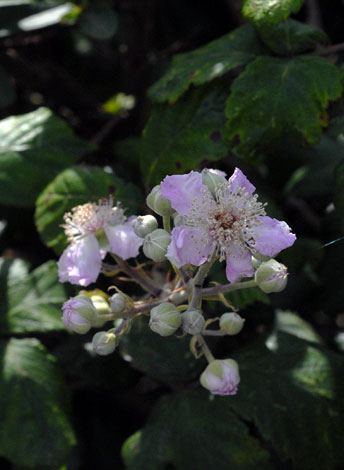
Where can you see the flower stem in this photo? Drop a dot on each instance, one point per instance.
(166, 220)
(205, 348)
(228, 287)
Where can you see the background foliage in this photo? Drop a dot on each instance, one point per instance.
(109, 96)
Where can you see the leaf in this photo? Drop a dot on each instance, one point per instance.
(292, 37)
(292, 391)
(292, 323)
(207, 63)
(30, 302)
(177, 138)
(192, 430)
(276, 97)
(74, 186)
(35, 430)
(269, 12)
(34, 147)
(339, 191)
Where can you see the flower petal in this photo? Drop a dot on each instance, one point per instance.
(272, 236)
(81, 262)
(183, 190)
(238, 179)
(239, 264)
(189, 245)
(123, 240)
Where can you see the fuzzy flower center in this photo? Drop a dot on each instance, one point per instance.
(92, 218)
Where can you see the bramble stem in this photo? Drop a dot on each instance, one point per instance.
(166, 220)
(205, 349)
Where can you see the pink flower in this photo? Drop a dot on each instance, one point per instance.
(221, 377)
(227, 221)
(93, 229)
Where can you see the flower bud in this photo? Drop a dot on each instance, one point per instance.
(118, 303)
(79, 314)
(212, 179)
(145, 224)
(165, 319)
(157, 203)
(156, 243)
(271, 276)
(179, 220)
(256, 262)
(102, 308)
(192, 321)
(221, 377)
(104, 343)
(231, 323)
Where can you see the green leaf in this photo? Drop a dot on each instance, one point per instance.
(277, 97)
(30, 302)
(168, 360)
(292, 390)
(74, 186)
(207, 63)
(292, 37)
(34, 147)
(193, 430)
(292, 323)
(34, 427)
(339, 192)
(269, 12)
(178, 137)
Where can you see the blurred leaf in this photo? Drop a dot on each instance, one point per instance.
(192, 430)
(206, 63)
(34, 147)
(98, 22)
(269, 12)
(119, 102)
(33, 302)
(275, 97)
(292, 37)
(7, 91)
(74, 186)
(34, 427)
(336, 121)
(339, 192)
(292, 323)
(45, 18)
(178, 137)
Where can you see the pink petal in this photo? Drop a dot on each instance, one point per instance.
(239, 264)
(189, 246)
(183, 190)
(123, 240)
(272, 236)
(238, 179)
(80, 263)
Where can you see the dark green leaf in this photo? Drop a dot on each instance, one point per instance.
(35, 431)
(207, 63)
(339, 192)
(30, 302)
(76, 186)
(276, 97)
(269, 12)
(34, 147)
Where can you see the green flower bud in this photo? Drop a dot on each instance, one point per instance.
(156, 243)
(145, 224)
(256, 262)
(79, 314)
(104, 343)
(221, 377)
(212, 179)
(271, 276)
(157, 203)
(179, 220)
(231, 323)
(118, 303)
(192, 321)
(102, 307)
(165, 319)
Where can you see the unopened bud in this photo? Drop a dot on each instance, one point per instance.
(271, 276)
(165, 319)
(118, 303)
(145, 224)
(157, 203)
(104, 343)
(221, 377)
(79, 314)
(212, 179)
(102, 307)
(179, 220)
(156, 243)
(231, 323)
(192, 321)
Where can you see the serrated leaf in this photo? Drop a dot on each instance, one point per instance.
(339, 192)
(269, 12)
(34, 147)
(207, 63)
(190, 430)
(292, 37)
(74, 186)
(30, 302)
(280, 97)
(35, 431)
(178, 137)
(292, 391)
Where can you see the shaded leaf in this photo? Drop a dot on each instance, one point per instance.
(74, 186)
(269, 12)
(292, 323)
(34, 147)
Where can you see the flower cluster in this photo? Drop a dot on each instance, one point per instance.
(214, 219)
